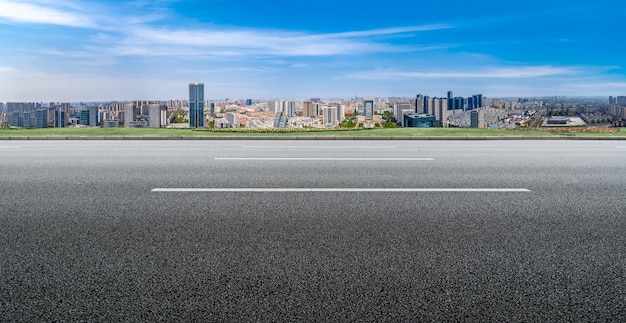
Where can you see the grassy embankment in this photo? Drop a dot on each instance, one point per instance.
(453, 132)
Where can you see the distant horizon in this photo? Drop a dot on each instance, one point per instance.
(242, 100)
(88, 51)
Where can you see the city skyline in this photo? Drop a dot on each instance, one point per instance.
(85, 51)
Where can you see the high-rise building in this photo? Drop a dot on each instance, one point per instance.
(154, 116)
(368, 106)
(477, 119)
(26, 120)
(419, 104)
(16, 119)
(442, 108)
(41, 118)
(450, 102)
(60, 118)
(84, 117)
(93, 116)
(612, 100)
(196, 105)
(308, 109)
(621, 101)
(427, 105)
(129, 114)
(330, 116)
(341, 113)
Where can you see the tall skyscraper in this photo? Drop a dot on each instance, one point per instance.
(196, 105)
(450, 102)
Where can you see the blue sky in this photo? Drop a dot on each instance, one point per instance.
(71, 50)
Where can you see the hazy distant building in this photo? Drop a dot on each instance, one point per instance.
(196, 105)
(477, 119)
(612, 100)
(621, 101)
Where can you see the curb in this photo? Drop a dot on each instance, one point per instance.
(434, 138)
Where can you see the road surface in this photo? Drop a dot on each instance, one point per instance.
(312, 231)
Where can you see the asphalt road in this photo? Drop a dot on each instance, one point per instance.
(83, 236)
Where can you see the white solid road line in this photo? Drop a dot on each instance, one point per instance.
(320, 147)
(326, 158)
(272, 189)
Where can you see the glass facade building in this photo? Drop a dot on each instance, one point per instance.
(196, 105)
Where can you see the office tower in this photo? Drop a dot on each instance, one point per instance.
(450, 102)
(196, 105)
(621, 101)
(330, 116)
(368, 106)
(477, 119)
(154, 116)
(427, 105)
(470, 103)
(248, 102)
(612, 100)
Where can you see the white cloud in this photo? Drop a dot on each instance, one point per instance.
(143, 39)
(487, 73)
(6, 69)
(42, 13)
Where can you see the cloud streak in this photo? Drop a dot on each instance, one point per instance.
(42, 13)
(488, 73)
